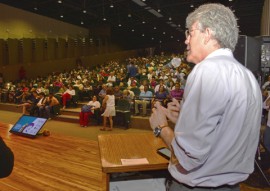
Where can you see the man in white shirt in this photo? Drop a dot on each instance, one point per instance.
(217, 128)
(111, 79)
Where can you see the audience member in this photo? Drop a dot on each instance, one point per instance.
(41, 104)
(111, 79)
(117, 93)
(30, 103)
(161, 95)
(102, 92)
(108, 104)
(133, 70)
(88, 110)
(51, 102)
(177, 92)
(67, 95)
(161, 83)
(266, 133)
(144, 100)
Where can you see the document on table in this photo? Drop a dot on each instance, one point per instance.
(134, 161)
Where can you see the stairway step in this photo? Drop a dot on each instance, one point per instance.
(72, 115)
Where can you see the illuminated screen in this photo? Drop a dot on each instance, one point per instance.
(28, 125)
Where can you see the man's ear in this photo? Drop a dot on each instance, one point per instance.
(208, 35)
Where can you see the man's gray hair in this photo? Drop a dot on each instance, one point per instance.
(220, 19)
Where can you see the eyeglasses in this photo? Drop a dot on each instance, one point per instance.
(187, 32)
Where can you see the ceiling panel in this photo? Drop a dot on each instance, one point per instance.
(146, 22)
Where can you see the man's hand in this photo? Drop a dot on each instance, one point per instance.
(173, 110)
(158, 116)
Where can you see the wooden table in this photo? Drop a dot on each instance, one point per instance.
(54, 163)
(114, 147)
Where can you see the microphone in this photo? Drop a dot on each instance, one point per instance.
(174, 63)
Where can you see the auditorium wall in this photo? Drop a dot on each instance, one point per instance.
(11, 72)
(42, 45)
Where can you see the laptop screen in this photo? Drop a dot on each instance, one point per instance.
(28, 125)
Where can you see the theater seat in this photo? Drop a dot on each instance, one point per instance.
(123, 113)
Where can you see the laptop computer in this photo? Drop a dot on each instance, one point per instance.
(28, 126)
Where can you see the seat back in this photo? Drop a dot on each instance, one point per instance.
(123, 105)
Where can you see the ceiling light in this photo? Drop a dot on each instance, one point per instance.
(82, 22)
(156, 13)
(129, 15)
(170, 18)
(159, 10)
(143, 22)
(160, 41)
(191, 5)
(35, 8)
(139, 2)
(84, 11)
(111, 6)
(171, 36)
(155, 28)
(104, 19)
(61, 16)
(142, 34)
(164, 32)
(132, 30)
(153, 38)
(59, 1)
(143, 0)
(119, 25)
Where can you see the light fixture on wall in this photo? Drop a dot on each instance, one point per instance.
(103, 12)
(84, 9)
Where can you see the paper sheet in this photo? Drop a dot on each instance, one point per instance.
(134, 161)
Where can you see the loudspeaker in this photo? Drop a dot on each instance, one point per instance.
(248, 52)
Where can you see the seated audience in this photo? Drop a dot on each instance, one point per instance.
(117, 93)
(161, 83)
(67, 95)
(111, 79)
(30, 103)
(41, 104)
(144, 100)
(177, 92)
(102, 92)
(161, 96)
(51, 101)
(88, 110)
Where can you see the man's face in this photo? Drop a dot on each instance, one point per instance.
(195, 45)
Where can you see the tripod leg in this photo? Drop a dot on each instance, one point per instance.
(262, 173)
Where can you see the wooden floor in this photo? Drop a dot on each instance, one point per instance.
(57, 163)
